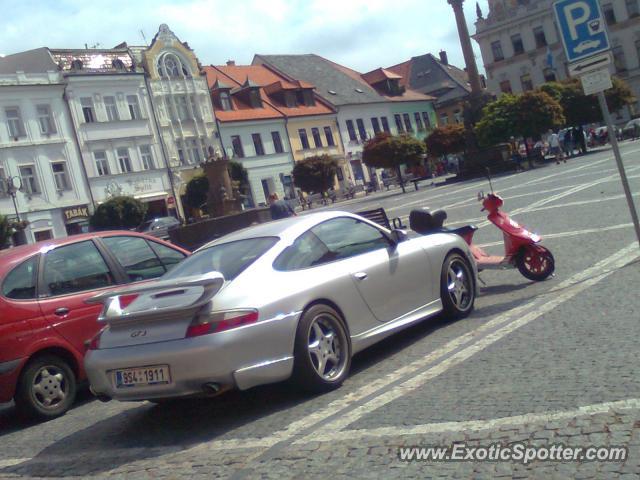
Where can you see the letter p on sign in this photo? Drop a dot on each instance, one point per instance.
(576, 14)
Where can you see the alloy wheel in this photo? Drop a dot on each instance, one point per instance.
(459, 284)
(325, 347)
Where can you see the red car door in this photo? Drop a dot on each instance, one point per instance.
(71, 274)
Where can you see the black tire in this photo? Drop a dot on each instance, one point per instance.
(536, 265)
(307, 362)
(457, 303)
(46, 378)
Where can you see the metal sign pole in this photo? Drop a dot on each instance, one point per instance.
(616, 152)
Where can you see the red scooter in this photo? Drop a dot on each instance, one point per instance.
(522, 249)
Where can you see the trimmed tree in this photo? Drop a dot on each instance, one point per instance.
(197, 191)
(118, 213)
(445, 140)
(315, 174)
(388, 151)
(527, 115)
(580, 109)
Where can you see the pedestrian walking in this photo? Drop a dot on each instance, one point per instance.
(554, 145)
(279, 208)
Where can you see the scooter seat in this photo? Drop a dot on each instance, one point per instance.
(462, 231)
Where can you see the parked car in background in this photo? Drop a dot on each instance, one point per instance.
(159, 227)
(632, 129)
(298, 296)
(44, 321)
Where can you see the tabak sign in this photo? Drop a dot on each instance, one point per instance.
(71, 214)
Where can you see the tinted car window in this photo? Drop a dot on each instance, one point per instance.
(76, 268)
(168, 256)
(136, 257)
(230, 259)
(347, 237)
(20, 284)
(305, 252)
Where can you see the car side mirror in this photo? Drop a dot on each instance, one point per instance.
(398, 236)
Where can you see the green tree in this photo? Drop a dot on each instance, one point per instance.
(315, 174)
(6, 230)
(445, 140)
(527, 115)
(197, 191)
(388, 151)
(118, 212)
(580, 109)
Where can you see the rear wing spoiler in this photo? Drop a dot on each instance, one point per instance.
(159, 299)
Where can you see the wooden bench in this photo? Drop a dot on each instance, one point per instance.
(415, 181)
(379, 216)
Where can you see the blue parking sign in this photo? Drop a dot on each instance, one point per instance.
(582, 27)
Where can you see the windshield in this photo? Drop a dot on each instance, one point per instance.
(230, 259)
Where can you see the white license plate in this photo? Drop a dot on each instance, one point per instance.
(151, 375)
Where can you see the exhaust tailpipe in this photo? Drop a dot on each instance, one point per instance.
(211, 388)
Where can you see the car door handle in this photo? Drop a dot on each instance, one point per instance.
(360, 275)
(62, 311)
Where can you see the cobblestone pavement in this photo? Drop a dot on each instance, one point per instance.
(547, 363)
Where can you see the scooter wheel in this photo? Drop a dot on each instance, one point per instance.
(536, 264)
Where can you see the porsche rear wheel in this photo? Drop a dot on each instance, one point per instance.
(457, 287)
(322, 353)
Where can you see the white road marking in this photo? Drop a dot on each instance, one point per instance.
(475, 425)
(10, 462)
(539, 306)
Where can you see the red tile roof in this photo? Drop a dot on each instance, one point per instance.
(379, 75)
(270, 83)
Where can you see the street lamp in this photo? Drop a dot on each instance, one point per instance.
(12, 189)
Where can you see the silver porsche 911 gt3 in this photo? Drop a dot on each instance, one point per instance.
(295, 297)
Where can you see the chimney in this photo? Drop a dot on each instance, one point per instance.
(443, 57)
(231, 63)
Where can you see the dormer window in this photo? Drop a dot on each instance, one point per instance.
(118, 64)
(254, 98)
(225, 100)
(290, 99)
(76, 64)
(309, 101)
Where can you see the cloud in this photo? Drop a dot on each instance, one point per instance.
(362, 34)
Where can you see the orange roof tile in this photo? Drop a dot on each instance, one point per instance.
(270, 82)
(379, 75)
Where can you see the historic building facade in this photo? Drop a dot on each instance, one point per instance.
(39, 160)
(180, 99)
(521, 48)
(115, 129)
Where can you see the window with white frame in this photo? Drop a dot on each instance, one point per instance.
(60, 176)
(111, 108)
(45, 120)
(134, 107)
(147, 157)
(87, 109)
(3, 183)
(194, 150)
(124, 161)
(225, 100)
(29, 179)
(14, 122)
(183, 109)
(102, 164)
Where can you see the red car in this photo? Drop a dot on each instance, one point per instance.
(44, 322)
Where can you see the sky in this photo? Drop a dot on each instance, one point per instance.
(361, 34)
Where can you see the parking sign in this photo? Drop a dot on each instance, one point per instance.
(582, 27)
